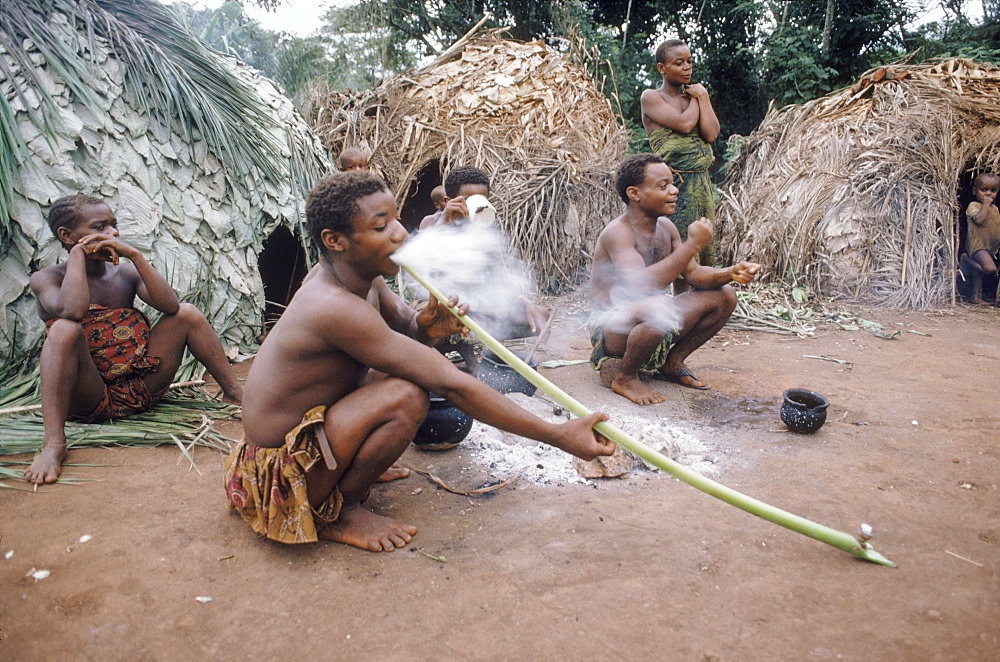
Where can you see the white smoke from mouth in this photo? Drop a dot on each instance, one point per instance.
(472, 261)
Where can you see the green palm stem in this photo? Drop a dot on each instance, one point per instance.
(838, 539)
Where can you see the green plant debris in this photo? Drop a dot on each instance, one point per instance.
(183, 422)
(439, 559)
(559, 363)
(792, 308)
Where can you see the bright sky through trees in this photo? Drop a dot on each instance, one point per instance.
(299, 17)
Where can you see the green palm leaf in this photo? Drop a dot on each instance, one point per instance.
(170, 74)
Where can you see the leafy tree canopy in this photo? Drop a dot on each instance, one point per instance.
(749, 53)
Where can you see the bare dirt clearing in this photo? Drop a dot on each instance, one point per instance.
(643, 565)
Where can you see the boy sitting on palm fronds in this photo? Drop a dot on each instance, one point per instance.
(100, 359)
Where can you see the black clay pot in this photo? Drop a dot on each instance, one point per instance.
(445, 426)
(804, 410)
(494, 372)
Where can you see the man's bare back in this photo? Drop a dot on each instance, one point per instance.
(297, 368)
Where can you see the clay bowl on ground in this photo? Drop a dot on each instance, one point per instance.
(444, 427)
(804, 410)
(494, 372)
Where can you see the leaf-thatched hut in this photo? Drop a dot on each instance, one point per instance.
(200, 157)
(861, 193)
(535, 122)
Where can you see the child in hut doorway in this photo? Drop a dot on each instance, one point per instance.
(462, 182)
(353, 158)
(680, 124)
(340, 385)
(982, 237)
(438, 198)
(100, 359)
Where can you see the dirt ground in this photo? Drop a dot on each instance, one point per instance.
(643, 565)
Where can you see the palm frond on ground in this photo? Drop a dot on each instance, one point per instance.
(184, 422)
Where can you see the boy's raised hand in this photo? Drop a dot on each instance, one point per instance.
(436, 321)
(455, 209)
(700, 234)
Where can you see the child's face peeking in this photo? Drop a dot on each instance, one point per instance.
(986, 189)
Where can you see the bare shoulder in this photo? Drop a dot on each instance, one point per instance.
(317, 302)
(649, 96)
(55, 271)
(616, 230)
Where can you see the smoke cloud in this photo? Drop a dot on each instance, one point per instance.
(472, 261)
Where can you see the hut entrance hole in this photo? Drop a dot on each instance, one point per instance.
(417, 202)
(282, 265)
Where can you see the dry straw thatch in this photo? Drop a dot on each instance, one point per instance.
(856, 193)
(531, 119)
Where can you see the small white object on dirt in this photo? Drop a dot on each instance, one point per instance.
(203, 599)
(86, 538)
(9, 555)
(39, 575)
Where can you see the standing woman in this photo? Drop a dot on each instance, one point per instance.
(680, 124)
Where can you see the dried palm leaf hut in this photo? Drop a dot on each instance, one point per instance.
(200, 157)
(532, 120)
(862, 193)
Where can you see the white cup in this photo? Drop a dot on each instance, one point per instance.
(481, 212)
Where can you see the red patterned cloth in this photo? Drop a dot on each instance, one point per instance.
(118, 339)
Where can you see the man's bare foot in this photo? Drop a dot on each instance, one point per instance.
(395, 472)
(362, 528)
(682, 376)
(635, 390)
(47, 466)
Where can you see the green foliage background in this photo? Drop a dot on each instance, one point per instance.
(750, 53)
